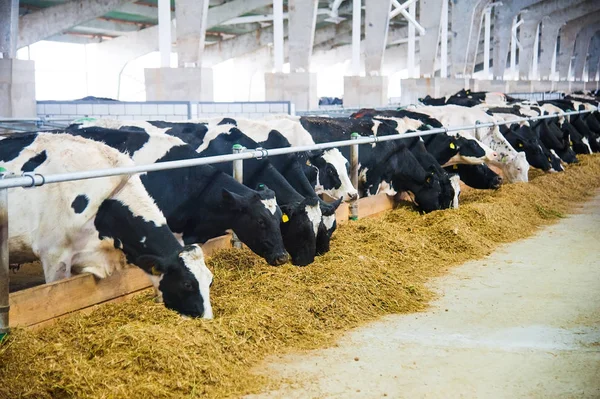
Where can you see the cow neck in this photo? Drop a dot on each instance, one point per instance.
(291, 170)
(265, 173)
(133, 234)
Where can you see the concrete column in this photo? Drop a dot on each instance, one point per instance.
(377, 18)
(504, 16)
(551, 25)
(300, 85)
(594, 57)
(582, 45)
(466, 25)
(568, 35)
(301, 28)
(428, 43)
(9, 27)
(17, 88)
(532, 16)
(191, 17)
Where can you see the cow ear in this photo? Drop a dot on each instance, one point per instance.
(151, 264)
(231, 200)
(336, 204)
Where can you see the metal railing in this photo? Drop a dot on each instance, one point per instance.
(538, 96)
(32, 179)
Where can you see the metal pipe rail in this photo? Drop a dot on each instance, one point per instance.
(31, 179)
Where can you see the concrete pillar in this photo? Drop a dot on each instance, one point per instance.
(594, 57)
(301, 28)
(300, 85)
(504, 16)
(179, 84)
(582, 45)
(191, 17)
(428, 43)
(377, 18)
(551, 25)
(9, 27)
(568, 35)
(532, 16)
(466, 25)
(371, 90)
(17, 88)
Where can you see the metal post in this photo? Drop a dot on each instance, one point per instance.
(354, 175)
(486, 43)
(444, 41)
(278, 35)
(553, 66)
(4, 276)
(411, 42)
(238, 174)
(164, 32)
(356, 24)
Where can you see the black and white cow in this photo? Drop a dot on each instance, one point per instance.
(301, 215)
(199, 202)
(332, 179)
(388, 166)
(99, 225)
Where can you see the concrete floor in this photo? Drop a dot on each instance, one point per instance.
(522, 323)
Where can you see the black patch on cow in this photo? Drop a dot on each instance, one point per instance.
(34, 162)
(228, 121)
(120, 140)
(191, 133)
(80, 203)
(11, 147)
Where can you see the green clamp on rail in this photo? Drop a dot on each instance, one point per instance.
(238, 147)
(354, 135)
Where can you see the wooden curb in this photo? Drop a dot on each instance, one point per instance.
(44, 304)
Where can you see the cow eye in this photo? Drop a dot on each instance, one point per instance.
(261, 223)
(187, 285)
(330, 171)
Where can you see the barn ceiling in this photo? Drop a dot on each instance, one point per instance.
(142, 14)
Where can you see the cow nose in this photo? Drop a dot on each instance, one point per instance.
(282, 259)
(495, 155)
(353, 197)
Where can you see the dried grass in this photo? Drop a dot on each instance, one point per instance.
(376, 266)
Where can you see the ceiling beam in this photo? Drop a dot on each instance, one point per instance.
(53, 20)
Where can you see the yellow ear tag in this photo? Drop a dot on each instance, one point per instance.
(454, 166)
(155, 271)
(520, 145)
(571, 143)
(452, 146)
(285, 218)
(308, 162)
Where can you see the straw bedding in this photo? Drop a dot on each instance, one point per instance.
(376, 266)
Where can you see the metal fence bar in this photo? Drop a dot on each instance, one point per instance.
(30, 179)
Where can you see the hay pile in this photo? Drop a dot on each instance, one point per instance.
(376, 266)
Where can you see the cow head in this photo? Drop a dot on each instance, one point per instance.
(299, 228)
(516, 169)
(523, 139)
(257, 223)
(427, 193)
(465, 151)
(182, 280)
(332, 177)
(447, 193)
(327, 226)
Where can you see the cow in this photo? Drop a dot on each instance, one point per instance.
(199, 202)
(523, 139)
(477, 176)
(499, 152)
(97, 226)
(388, 167)
(333, 179)
(301, 215)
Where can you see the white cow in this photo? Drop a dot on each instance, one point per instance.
(99, 225)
